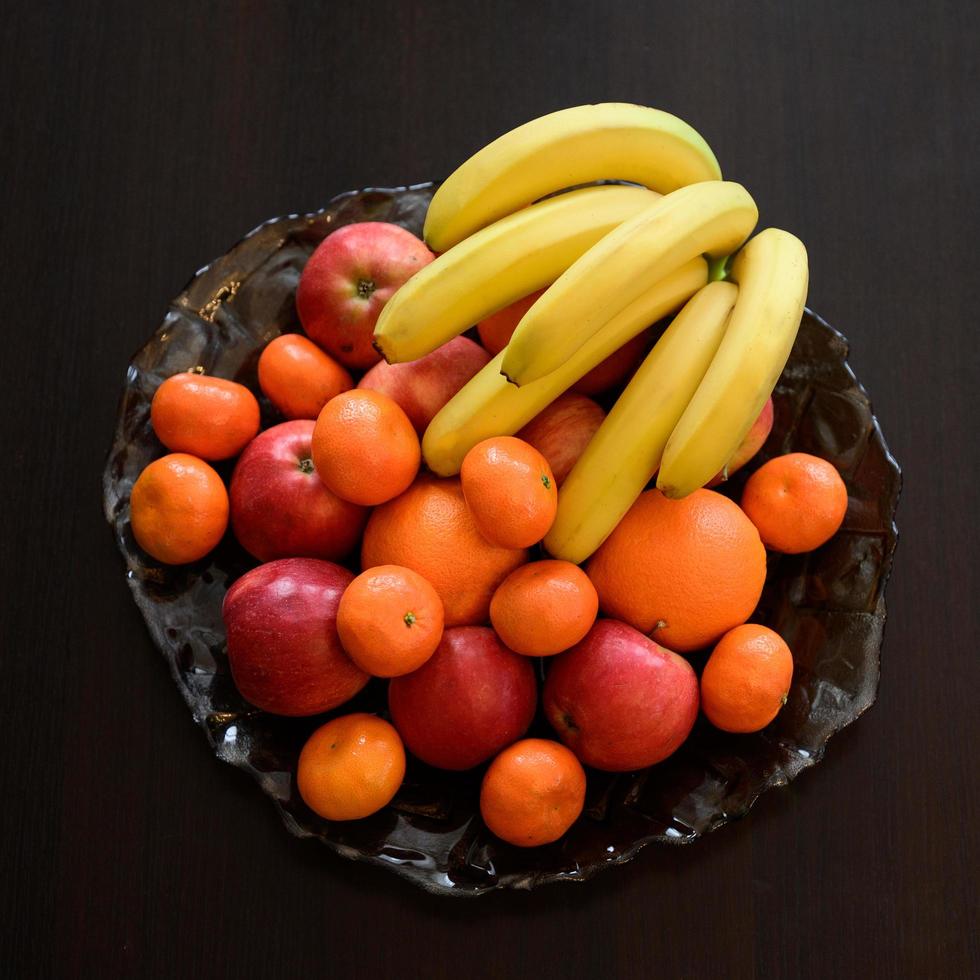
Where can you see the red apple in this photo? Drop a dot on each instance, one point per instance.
(754, 440)
(422, 387)
(620, 701)
(281, 621)
(496, 330)
(563, 430)
(347, 281)
(469, 700)
(280, 508)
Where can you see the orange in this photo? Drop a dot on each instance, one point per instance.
(544, 607)
(746, 679)
(511, 491)
(178, 509)
(532, 792)
(390, 620)
(430, 529)
(299, 378)
(496, 330)
(682, 571)
(797, 502)
(364, 447)
(351, 767)
(207, 417)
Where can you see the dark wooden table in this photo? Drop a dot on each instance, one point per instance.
(139, 141)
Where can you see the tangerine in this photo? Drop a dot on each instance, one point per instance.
(208, 417)
(532, 792)
(390, 620)
(299, 378)
(430, 530)
(746, 679)
(351, 767)
(796, 501)
(178, 509)
(544, 607)
(510, 490)
(684, 572)
(364, 447)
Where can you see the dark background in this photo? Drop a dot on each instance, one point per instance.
(139, 140)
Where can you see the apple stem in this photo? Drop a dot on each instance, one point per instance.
(306, 465)
(365, 287)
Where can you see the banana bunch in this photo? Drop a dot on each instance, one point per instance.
(613, 258)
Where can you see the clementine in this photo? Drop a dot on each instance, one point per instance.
(390, 620)
(364, 447)
(511, 491)
(544, 607)
(532, 792)
(682, 571)
(430, 529)
(351, 767)
(796, 501)
(746, 679)
(299, 378)
(208, 417)
(178, 509)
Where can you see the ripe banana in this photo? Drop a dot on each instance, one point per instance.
(612, 140)
(488, 406)
(713, 217)
(498, 265)
(771, 272)
(626, 450)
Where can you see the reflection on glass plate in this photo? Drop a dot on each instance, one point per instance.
(829, 605)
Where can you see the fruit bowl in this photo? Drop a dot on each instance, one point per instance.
(829, 604)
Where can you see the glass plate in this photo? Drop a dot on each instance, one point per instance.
(829, 605)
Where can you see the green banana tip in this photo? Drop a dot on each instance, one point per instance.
(718, 269)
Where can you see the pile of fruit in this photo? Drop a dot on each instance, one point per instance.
(492, 508)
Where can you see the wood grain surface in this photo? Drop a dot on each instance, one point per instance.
(139, 140)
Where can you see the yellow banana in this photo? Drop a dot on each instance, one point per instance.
(626, 450)
(713, 218)
(772, 275)
(488, 406)
(498, 265)
(609, 141)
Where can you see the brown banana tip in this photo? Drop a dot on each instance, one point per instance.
(377, 346)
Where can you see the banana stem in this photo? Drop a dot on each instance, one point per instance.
(718, 268)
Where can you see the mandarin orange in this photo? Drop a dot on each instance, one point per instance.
(544, 607)
(351, 767)
(746, 679)
(211, 418)
(510, 490)
(533, 791)
(364, 447)
(796, 501)
(178, 509)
